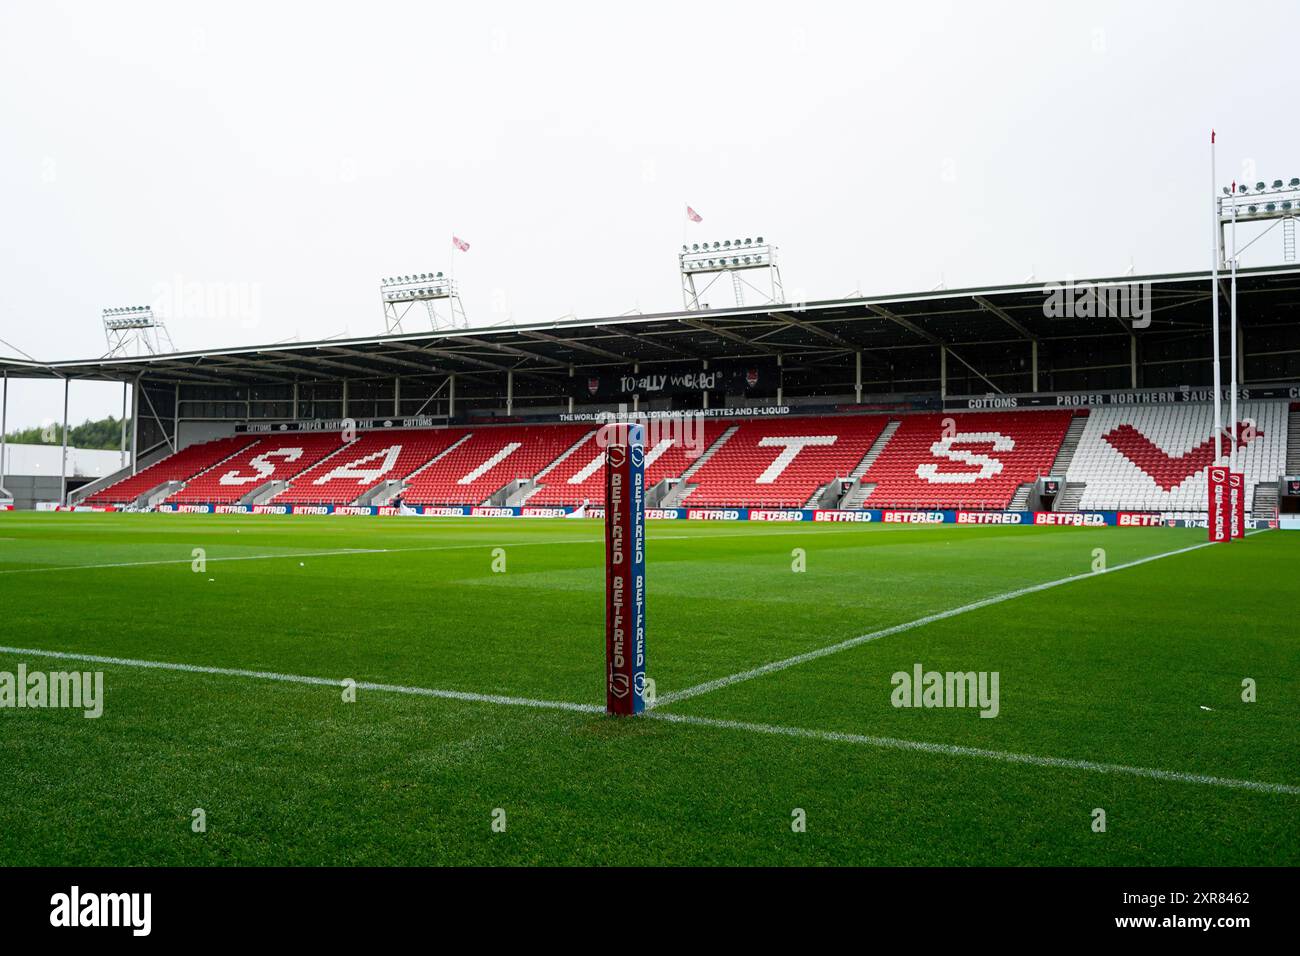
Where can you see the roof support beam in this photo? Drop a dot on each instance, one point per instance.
(509, 350)
(578, 344)
(905, 323)
(727, 334)
(651, 340)
(815, 329)
(379, 357)
(1001, 313)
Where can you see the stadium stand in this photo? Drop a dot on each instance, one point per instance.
(181, 466)
(489, 459)
(270, 459)
(580, 476)
(780, 463)
(1147, 458)
(1154, 458)
(374, 457)
(979, 466)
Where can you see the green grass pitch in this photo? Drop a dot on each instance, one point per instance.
(1129, 683)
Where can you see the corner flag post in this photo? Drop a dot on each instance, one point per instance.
(625, 637)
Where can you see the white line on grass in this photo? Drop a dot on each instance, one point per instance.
(829, 736)
(271, 557)
(774, 666)
(352, 551)
(304, 679)
(1005, 756)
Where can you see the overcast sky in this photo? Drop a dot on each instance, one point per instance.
(253, 169)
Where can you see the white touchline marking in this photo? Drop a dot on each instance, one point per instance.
(774, 666)
(145, 564)
(303, 679)
(1005, 756)
(350, 551)
(271, 557)
(830, 736)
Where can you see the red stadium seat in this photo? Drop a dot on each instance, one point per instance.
(978, 464)
(779, 463)
(270, 459)
(182, 466)
(490, 458)
(377, 456)
(581, 476)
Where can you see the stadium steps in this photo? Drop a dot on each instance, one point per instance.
(147, 500)
(815, 500)
(288, 483)
(515, 493)
(1020, 500)
(400, 484)
(150, 456)
(859, 492)
(158, 494)
(856, 495)
(264, 492)
(1067, 501)
(675, 497)
(874, 451)
(520, 496)
(1265, 504)
(709, 453)
(1293, 441)
(1069, 445)
(563, 455)
(438, 457)
(382, 493)
(655, 495)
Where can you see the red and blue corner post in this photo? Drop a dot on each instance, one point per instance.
(625, 593)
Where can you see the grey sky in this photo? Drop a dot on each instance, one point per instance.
(280, 159)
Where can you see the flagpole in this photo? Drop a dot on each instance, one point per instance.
(1214, 298)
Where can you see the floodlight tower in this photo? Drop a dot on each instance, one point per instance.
(399, 295)
(734, 259)
(1277, 202)
(135, 330)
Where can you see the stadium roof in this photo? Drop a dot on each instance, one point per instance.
(954, 317)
